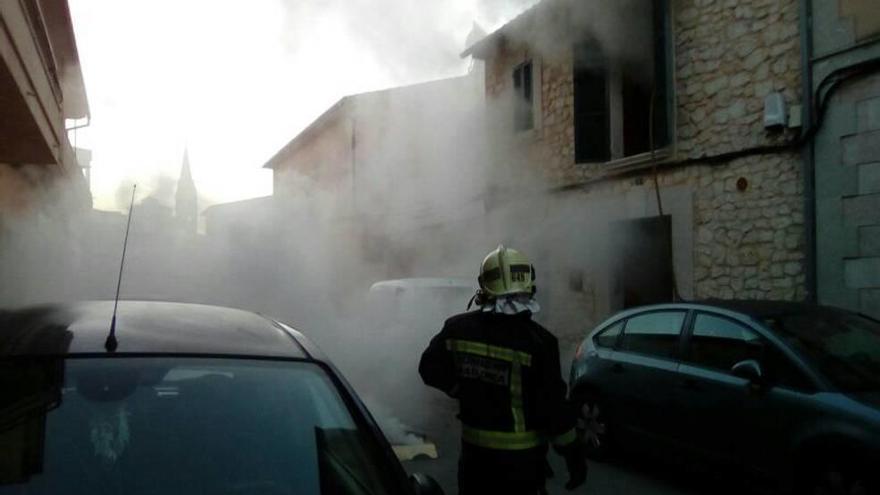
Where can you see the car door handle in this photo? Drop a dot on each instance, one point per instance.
(617, 368)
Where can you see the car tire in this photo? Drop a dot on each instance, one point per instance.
(835, 478)
(594, 429)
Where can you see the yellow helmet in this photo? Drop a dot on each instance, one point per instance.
(506, 271)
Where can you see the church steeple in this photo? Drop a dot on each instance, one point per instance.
(186, 199)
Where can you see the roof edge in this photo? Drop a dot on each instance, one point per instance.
(316, 124)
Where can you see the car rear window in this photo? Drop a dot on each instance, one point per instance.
(180, 425)
(844, 346)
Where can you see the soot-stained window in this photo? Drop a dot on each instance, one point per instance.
(615, 89)
(523, 113)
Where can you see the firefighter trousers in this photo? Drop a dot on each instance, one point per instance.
(509, 472)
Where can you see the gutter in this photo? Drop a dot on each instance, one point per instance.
(808, 151)
(73, 145)
(88, 123)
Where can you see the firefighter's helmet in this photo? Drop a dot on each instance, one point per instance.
(506, 271)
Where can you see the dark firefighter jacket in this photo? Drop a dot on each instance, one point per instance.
(504, 370)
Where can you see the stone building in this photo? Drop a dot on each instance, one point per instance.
(588, 90)
(380, 174)
(843, 57)
(42, 187)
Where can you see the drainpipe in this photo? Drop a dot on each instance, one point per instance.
(808, 151)
(76, 166)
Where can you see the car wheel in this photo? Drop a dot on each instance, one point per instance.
(594, 430)
(833, 479)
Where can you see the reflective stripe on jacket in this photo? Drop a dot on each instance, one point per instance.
(505, 372)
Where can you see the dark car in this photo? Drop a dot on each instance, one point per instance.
(195, 399)
(783, 391)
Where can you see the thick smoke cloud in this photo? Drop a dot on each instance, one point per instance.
(411, 41)
(438, 183)
(236, 80)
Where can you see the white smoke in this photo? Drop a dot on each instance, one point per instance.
(437, 182)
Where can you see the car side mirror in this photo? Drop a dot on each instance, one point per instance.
(424, 485)
(749, 370)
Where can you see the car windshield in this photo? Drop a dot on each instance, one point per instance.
(844, 346)
(180, 425)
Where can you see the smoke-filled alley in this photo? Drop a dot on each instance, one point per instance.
(470, 246)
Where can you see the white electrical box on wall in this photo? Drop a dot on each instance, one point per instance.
(775, 115)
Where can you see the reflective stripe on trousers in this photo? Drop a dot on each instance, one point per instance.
(501, 440)
(511, 440)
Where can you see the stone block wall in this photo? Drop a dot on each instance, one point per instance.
(848, 198)
(557, 123)
(551, 143)
(749, 243)
(727, 56)
(729, 243)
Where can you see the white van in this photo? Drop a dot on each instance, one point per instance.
(402, 317)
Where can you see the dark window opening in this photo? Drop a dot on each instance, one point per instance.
(591, 124)
(643, 264)
(523, 113)
(613, 96)
(662, 92)
(636, 102)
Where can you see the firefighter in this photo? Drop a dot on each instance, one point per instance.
(504, 370)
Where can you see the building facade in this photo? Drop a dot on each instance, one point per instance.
(715, 89)
(42, 185)
(843, 59)
(41, 87)
(641, 151)
(380, 173)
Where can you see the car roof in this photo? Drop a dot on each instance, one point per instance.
(762, 309)
(757, 309)
(146, 327)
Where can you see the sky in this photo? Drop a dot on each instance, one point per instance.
(233, 81)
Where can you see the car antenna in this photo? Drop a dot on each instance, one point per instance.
(110, 344)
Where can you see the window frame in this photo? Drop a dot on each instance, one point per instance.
(686, 351)
(614, 104)
(767, 340)
(678, 348)
(598, 71)
(519, 94)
